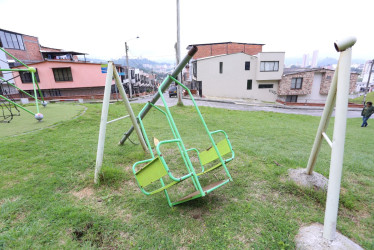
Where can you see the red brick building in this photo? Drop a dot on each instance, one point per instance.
(214, 49)
(24, 47)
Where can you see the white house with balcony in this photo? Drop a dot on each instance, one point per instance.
(239, 75)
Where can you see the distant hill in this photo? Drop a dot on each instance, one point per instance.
(140, 63)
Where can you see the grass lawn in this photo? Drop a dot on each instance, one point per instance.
(369, 98)
(25, 122)
(48, 199)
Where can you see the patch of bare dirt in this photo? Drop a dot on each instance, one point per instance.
(84, 193)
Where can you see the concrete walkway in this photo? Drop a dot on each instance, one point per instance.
(246, 105)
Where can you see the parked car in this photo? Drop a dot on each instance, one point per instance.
(173, 91)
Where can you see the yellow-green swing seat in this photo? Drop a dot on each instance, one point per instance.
(155, 168)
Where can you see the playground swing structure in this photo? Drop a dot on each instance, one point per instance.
(156, 169)
(8, 105)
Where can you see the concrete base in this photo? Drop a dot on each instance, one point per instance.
(301, 178)
(311, 238)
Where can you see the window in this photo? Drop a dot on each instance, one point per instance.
(265, 86)
(247, 65)
(220, 67)
(11, 40)
(1, 74)
(291, 98)
(269, 66)
(296, 83)
(62, 74)
(54, 92)
(249, 84)
(194, 69)
(26, 76)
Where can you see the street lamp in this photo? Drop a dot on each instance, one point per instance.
(128, 66)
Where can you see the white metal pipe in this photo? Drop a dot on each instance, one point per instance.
(337, 153)
(103, 122)
(327, 139)
(323, 124)
(120, 118)
(345, 43)
(129, 109)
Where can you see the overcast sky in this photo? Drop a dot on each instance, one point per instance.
(100, 28)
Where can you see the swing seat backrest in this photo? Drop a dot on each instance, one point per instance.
(152, 172)
(210, 154)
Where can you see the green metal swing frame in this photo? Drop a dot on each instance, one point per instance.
(156, 168)
(36, 87)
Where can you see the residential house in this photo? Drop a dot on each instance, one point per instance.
(60, 73)
(214, 49)
(308, 86)
(239, 75)
(366, 72)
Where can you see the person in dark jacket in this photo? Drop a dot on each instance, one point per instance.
(367, 111)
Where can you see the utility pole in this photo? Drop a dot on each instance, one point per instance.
(128, 71)
(178, 51)
(367, 84)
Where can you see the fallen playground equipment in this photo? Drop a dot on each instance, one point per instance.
(156, 170)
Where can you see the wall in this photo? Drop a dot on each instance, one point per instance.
(270, 56)
(84, 75)
(207, 50)
(6, 75)
(232, 83)
(31, 52)
(315, 96)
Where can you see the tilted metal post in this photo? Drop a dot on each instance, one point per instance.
(129, 109)
(163, 87)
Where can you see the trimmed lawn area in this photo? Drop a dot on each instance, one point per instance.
(53, 113)
(369, 98)
(48, 199)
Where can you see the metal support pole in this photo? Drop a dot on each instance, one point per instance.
(103, 122)
(337, 153)
(178, 52)
(367, 84)
(323, 124)
(129, 109)
(163, 87)
(128, 71)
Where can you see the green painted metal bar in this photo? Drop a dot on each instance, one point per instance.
(189, 165)
(165, 164)
(37, 85)
(163, 87)
(6, 52)
(17, 70)
(205, 126)
(198, 156)
(198, 196)
(11, 84)
(174, 134)
(35, 93)
(3, 97)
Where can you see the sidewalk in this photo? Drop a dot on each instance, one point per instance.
(251, 102)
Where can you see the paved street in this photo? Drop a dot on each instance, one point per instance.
(240, 105)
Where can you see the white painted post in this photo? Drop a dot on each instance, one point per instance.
(129, 110)
(337, 153)
(103, 122)
(324, 123)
